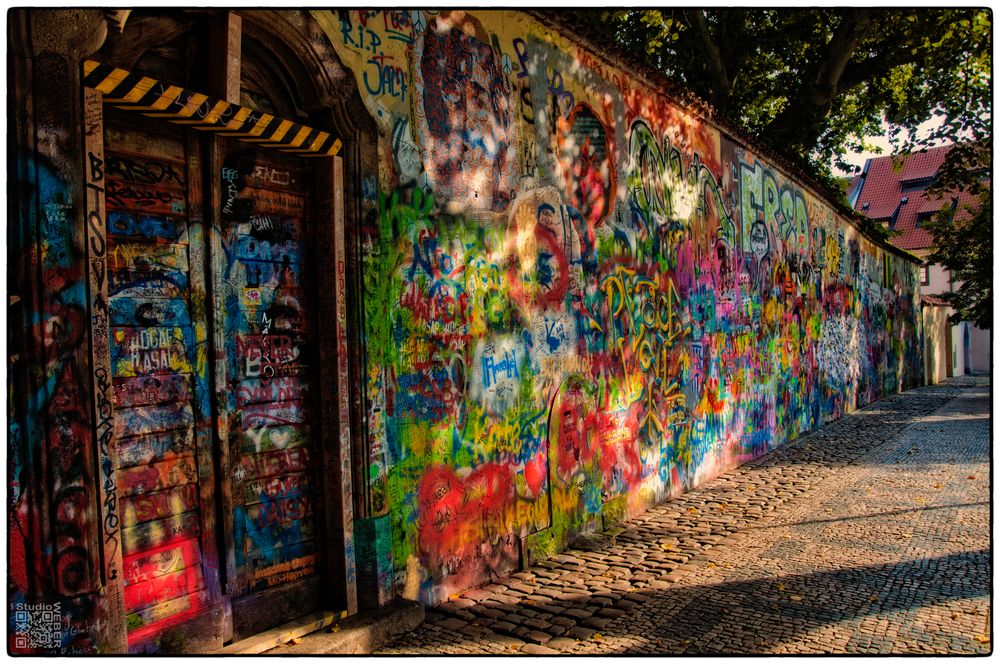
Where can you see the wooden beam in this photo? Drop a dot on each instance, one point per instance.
(204, 438)
(228, 451)
(337, 484)
(280, 635)
(343, 388)
(138, 93)
(114, 635)
(226, 38)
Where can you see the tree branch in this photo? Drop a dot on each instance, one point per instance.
(877, 65)
(721, 87)
(839, 50)
(800, 122)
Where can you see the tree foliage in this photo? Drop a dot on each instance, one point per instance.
(964, 246)
(963, 234)
(812, 83)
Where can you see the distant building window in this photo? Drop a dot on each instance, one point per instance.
(923, 217)
(925, 275)
(918, 184)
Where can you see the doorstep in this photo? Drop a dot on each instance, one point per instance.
(326, 632)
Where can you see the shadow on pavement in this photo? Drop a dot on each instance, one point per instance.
(873, 515)
(825, 598)
(847, 439)
(750, 615)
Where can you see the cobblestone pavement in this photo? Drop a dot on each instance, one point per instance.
(868, 536)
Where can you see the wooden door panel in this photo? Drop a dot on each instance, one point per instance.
(268, 308)
(160, 381)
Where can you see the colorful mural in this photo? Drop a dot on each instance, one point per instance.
(49, 434)
(579, 294)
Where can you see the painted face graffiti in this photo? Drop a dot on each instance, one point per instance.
(467, 114)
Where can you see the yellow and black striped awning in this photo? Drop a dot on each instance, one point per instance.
(150, 97)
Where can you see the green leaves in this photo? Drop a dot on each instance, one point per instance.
(964, 245)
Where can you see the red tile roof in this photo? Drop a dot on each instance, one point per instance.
(883, 184)
(933, 301)
(967, 201)
(883, 191)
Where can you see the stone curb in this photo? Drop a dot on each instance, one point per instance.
(360, 634)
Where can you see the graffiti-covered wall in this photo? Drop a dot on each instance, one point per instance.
(581, 299)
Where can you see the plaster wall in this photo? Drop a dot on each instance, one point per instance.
(935, 344)
(980, 350)
(939, 278)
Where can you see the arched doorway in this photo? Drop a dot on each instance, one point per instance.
(228, 292)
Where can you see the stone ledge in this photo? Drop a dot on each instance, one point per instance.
(359, 634)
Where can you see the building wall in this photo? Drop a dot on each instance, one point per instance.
(971, 357)
(581, 299)
(939, 278)
(980, 350)
(935, 344)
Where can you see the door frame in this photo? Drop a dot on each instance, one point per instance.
(332, 405)
(340, 441)
(116, 634)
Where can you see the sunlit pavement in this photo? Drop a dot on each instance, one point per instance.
(869, 536)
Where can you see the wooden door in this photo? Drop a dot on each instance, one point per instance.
(266, 313)
(161, 389)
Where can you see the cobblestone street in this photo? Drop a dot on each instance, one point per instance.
(871, 535)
